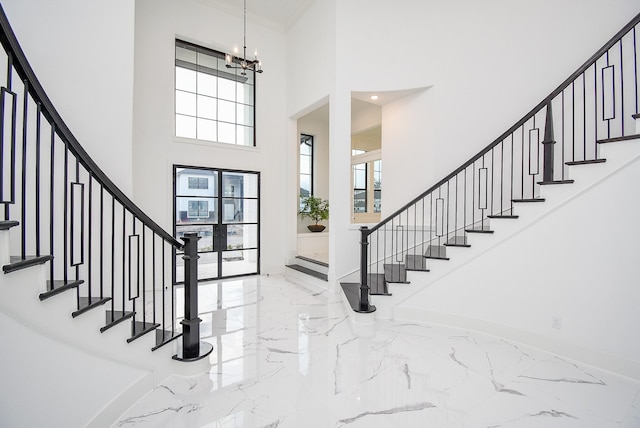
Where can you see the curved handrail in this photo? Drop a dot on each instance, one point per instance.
(24, 70)
(518, 124)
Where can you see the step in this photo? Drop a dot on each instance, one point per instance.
(114, 318)
(377, 285)
(527, 200)
(416, 263)
(352, 293)
(140, 328)
(8, 224)
(503, 216)
(17, 263)
(165, 336)
(436, 252)
(86, 304)
(58, 286)
(313, 261)
(457, 241)
(616, 139)
(479, 230)
(546, 183)
(396, 273)
(585, 162)
(308, 271)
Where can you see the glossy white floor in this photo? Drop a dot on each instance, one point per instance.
(286, 356)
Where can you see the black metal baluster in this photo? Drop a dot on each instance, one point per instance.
(37, 184)
(113, 257)
(573, 121)
(144, 274)
(89, 235)
(621, 89)
(501, 178)
(12, 175)
(51, 204)
(635, 68)
(124, 258)
(584, 116)
(512, 176)
(563, 137)
(595, 110)
(102, 242)
(153, 274)
(23, 201)
(65, 210)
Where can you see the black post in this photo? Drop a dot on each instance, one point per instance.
(364, 288)
(192, 348)
(547, 173)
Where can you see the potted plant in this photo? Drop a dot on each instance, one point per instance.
(316, 209)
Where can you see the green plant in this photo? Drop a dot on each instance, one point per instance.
(316, 209)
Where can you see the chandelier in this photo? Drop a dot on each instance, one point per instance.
(243, 63)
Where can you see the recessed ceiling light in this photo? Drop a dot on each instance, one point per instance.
(374, 97)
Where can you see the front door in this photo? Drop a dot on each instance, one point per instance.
(222, 206)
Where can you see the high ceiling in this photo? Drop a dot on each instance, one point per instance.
(279, 13)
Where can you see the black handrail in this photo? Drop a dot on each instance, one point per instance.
(521, 122)
(24, 70)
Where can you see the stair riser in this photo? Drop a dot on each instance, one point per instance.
(310, 265)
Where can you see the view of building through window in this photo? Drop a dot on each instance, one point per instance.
(212, 102)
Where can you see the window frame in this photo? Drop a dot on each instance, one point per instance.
(307, 137)
(219, 72)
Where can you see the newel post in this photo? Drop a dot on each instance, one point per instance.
(364, 287)
(548, 143)
(192, 348)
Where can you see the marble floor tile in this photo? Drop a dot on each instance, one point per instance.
(287, 356)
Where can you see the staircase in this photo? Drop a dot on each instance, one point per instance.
(69, 232)
(597, 105)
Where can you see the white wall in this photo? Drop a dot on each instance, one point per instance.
(158, 23)
(486, 63)
(578, 263)
(82, 53)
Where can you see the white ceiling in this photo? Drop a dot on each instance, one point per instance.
(278, 13)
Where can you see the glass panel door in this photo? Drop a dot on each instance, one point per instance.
(222, 206)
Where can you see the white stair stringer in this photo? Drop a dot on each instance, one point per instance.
(52, 319)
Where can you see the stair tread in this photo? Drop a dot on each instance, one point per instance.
(503, 216)
(616, 139)
(544, 183)
(310, 272)
(86, 304)
(58, 286)
(377, 284)
(8, 224)
(586, 161)
(165, 336)
(436, 258)
(114, 318)
(17, 263)
(140, 328)
(529, 200)
(314, 261)
(478, 230)
(352, 292)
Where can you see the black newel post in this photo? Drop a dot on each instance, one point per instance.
(364, 287)
(548, 143)
(192, 348)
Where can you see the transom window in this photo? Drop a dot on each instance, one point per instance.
(212, 102)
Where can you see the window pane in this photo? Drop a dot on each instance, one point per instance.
(207, 84)
(205, 243)
(226, 133)
(360, 176)
(226, 89)
(207, 129)
(305, 164)
(239, 262)
(242, 236)
(226, 111)
(187, 180)
(195, 210)
(239, 210)
(244, 94)
(183, 54)
(359, 201)
(185, 126)
(185, 79)
(206, 107)
(185, 103)
(305, 148)
(305, 185)
(239, 185)
(207, 60)
(245, 135)
(244, 114)
(377, 201)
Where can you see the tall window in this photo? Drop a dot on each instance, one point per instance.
(360, 188)
(212, 102)
(366, 179)
(306, 167)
